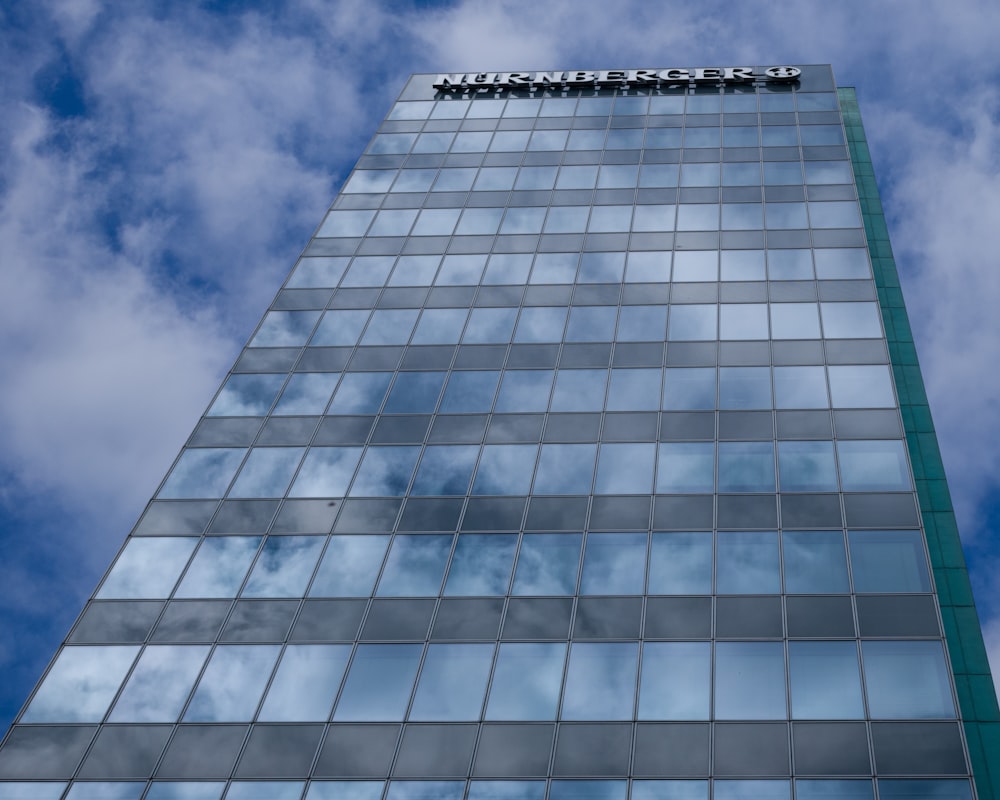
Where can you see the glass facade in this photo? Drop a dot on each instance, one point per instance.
(576, 459)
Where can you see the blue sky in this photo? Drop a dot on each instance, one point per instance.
(161, 165)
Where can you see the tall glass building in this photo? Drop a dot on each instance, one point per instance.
(583, 455)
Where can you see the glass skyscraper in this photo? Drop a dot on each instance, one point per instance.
(583, 455)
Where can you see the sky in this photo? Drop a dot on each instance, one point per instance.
(163, 163)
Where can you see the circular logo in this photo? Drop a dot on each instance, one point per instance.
(783, 73)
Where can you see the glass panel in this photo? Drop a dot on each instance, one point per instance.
(565, 468)
(748, 563)
(746, 467)
(696, 265)
(267, 472)
(614, 563)
(751, 790)
(360, 393)
(445, 470)
(414, 271)
(326, 472)
(835, 790)
(183, 790)
(452, 683)
(925, 789)
(680, 563)
(800, 387)
(246, 396)
(525, 390)
(684, 467)
(888, 561)
(807, 467)
(588, 790)
(744, 387)
(858, 386)
(507, 268)
(390, 327)
(232, 684)
(842, 263)
(825, 680)
(743, 321)
(202, 473)
(470, 392)
(345, 790)
(159, 685)
(307, 393)
(815, 562)
(265, 790)
(540, 325)
(625, 469)
(219, 567)
(689, 388)
(306, 683)
(609, 666)
(526, 682)
(284, 567)
(506, 790)
(579, 390)
(750, 680)
(692, 323)
(440, 325)
(851, 320)
(505, 469)
(873, 466)
(675, 682)
(547, 564)
(286, 328)
(669, 790)
(349, 566)
(591, 324)
(907, 680)
(415, 392)
(481, 564)
(634, 390)
(490, 325)
(81, 684)
(648, 268)
(373, 270)
(425, 790)
(415, 565)
(147, 568)
(743, 265)
(378, 684)
(385, 472)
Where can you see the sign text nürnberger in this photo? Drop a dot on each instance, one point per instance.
(611, 77)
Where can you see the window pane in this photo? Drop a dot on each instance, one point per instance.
(540, 325)
(789, 265)
(284, 566)
(232, 684)
(743, 321)
(526, 682)
(159, 685)
(219, 567)
(202, 472)
(873, 466)
(481, 564)
(525, 390)
(634, 390)
(360, 393)
(445, 470)
(591, 324)
(689, 388)
(807, 467)
(680, 563)
(147, 568)
(470, 392)
(800, 387)
(267, 472)
(385, 472)
(907, 680)
(614, 563)
(861, 387)
(744, 387)
(415, 565)
(505, 469)
(746, 467)
(414, 393)
(815, 562)
(247, 396)
(81, 684)
(825, 680)
(349, 566)
(692, 323)
(642, 324)
(326, 472)
(378, 684)
(749, 680)
(285, 328)
(684, 467)
(579, 390)
(490, 326)
(612, 667)
(306, 393)
(440, 325)
(795, 321)
(452, 683)
(888, 561)
(747, 563)
(306, 683)
(547, 564)
(625, 469)
(565, 469)
(851, 320)
(675, 682)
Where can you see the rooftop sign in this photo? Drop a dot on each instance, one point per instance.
(611, 78)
